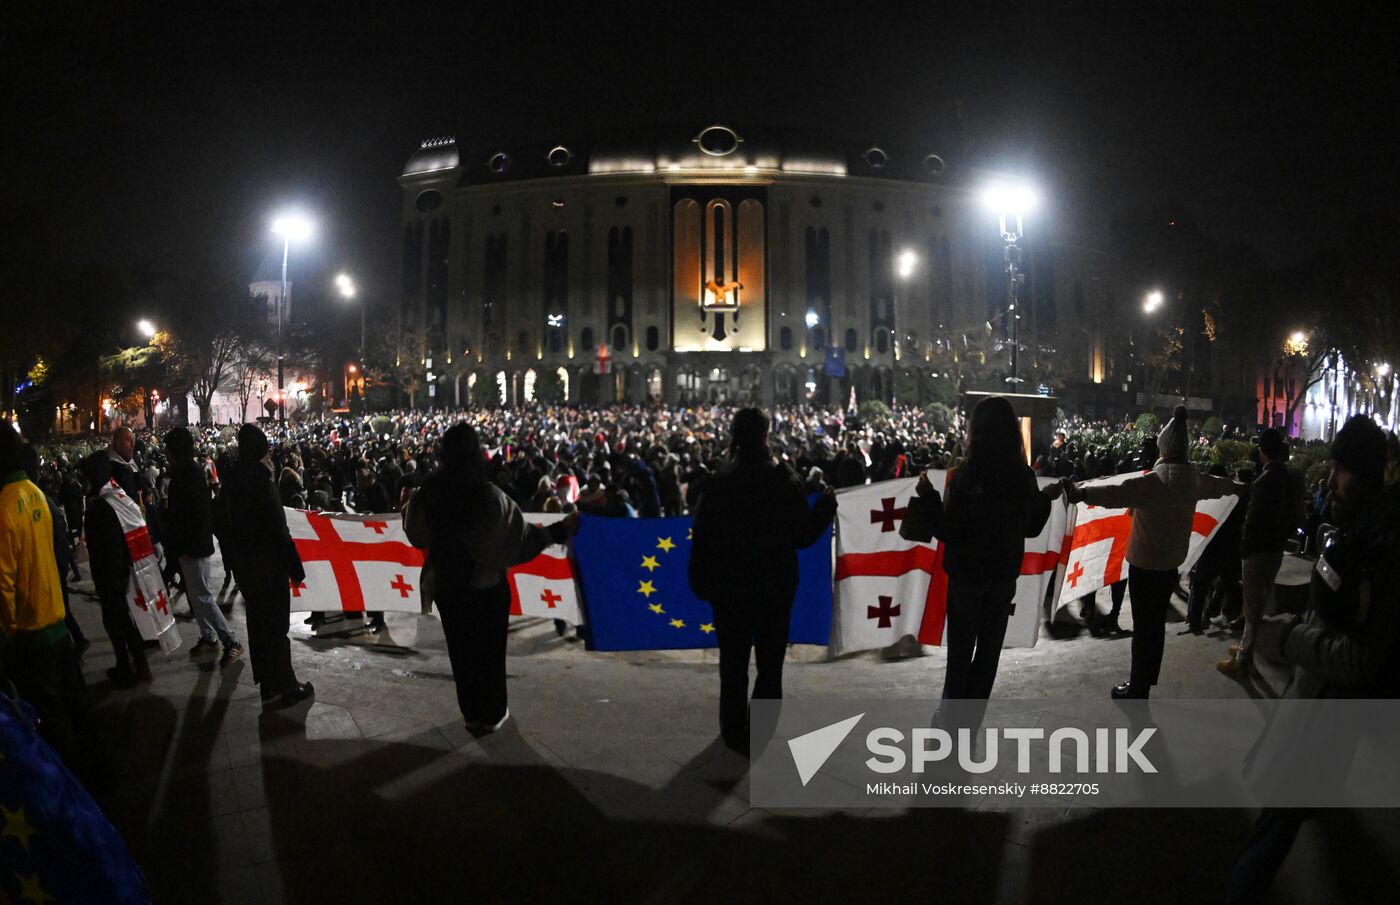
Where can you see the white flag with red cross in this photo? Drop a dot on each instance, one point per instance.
(365, 562)
(1096, 542)
(882, 580)
(146, 596)
(354, 563)
(545, 586)
(888, 588)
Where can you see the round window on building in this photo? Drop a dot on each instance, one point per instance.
(559, 156)
(934, 165)
(718, 141)
(499, 163)
(428, 201)
(875, 158)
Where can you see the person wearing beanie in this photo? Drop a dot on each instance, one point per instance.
(1346, 645)
(750, 521)
(190, 542)
(1270, 520)
(263, 559)
(1163, 503)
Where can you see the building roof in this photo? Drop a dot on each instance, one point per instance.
(714, 147)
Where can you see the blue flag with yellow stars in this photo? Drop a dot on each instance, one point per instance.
(634, 575)
(56, 845)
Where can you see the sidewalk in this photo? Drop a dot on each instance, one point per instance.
(609, 784)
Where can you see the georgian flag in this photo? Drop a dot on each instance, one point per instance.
(888, 588)
(146, 596)
(545, 586)
(1096, 542)
(365, 562)
(882, 580)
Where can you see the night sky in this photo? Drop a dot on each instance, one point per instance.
(162, 135)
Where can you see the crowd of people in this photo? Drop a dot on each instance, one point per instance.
(744, 476)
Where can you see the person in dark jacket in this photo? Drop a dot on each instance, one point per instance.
(993, 506)
(750, 521)
(260, 551)
(1269, 521)
(190, 532)
(109, 560)
(477, 533)
(1347, 646)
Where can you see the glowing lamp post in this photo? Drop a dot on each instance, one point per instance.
(292, 228)
(1010, 203)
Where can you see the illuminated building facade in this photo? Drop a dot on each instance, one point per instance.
(708, 264)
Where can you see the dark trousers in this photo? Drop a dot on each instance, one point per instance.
(68, 618)
(977, 616)
(1115, 596)
(269, 606)
(126, 640)
(744, 626)
(475, 620)
(49, 678)
(1203, 581)
(1268, 845)
(1151, 592)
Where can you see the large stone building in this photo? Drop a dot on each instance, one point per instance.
(706, 264)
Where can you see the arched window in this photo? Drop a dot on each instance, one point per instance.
(522, 342)
(882, 341)
(556, 340)
(585, 339)
(619, 338)
(653, 339)
(819, 338)
(852, 340)
(785, 339)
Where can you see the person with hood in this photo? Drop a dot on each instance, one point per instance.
(993, 506)
(1163, 503)
(260, 552)
(750, 521)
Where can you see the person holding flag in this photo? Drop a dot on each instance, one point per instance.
(1163, 503)
(993, 506)
(750, 521)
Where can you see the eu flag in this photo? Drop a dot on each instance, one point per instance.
(636, 590)
(55, 843)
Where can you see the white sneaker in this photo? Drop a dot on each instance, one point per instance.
(487, 728)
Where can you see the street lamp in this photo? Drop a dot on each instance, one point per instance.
(1153, 301)
(347, 289)
(1010, 202)
(905, 263)
(146, 328)
(291, 227)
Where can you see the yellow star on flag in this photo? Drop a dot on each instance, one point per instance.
(664, 543)
(31, 891)
(677, 623)
(650, 564)
(646, 589)
(16, 825)
(690, 534)
(706, 627)
(655, 608)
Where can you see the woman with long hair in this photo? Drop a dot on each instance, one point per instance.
(477, 532)
(992, 507)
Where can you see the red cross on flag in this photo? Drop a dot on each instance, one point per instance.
(1096, 546)
(888, 588)
(545, 586)
(355, 563)
(146, 596)
(882, 580)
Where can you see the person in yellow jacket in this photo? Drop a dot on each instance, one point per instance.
(38, 653)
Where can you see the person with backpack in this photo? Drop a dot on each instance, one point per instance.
(473, 532)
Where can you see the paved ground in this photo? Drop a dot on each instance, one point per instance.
(609, 785)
